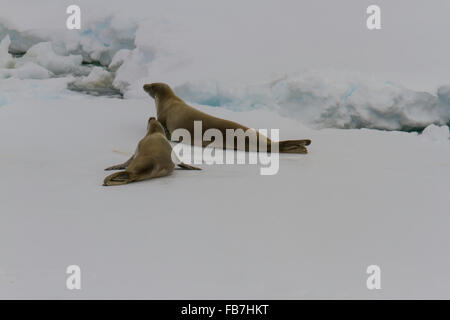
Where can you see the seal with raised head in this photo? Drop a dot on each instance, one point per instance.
(173, 113)
(151, 159)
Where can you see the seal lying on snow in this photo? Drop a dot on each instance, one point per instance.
(152, 159)
(173, 113)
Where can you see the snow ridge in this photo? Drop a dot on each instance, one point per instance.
(114, 58)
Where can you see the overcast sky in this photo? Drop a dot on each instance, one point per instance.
(250, 39)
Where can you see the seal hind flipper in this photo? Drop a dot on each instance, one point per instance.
(185, 166)
(118, 178)
(121, 166)
(294, 146)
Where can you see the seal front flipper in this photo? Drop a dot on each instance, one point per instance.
(167, 133)
(181, 164)
(185, 166)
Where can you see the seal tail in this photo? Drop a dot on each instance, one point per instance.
(294, 146)
(118, 178)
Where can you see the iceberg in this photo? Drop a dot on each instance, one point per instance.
(44, 55)
(317, 99)
(436, 133)
(6, 60)
(116, 57)
(98, 82)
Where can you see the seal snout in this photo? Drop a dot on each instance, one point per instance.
(148, 88)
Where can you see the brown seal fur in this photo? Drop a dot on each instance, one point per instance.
(173, 113)
(152, 159)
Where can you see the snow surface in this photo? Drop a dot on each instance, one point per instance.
(360, 197)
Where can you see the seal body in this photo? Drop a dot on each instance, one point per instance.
(173, 113)
(152, 159)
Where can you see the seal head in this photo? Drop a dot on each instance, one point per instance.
(154, 126)
(158, 89)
